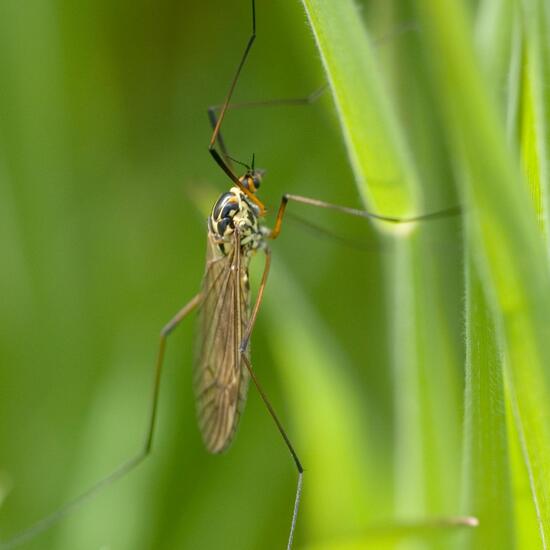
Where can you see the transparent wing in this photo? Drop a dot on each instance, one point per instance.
(221, 379)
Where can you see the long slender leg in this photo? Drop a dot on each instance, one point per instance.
(220, 160)
(293, 101)
(271, 410)
(282, 431)
(234, 83)
(355, 212)
(284, 102)
(259, 298)
(127, 466)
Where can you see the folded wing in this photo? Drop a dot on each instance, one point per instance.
(221, 379)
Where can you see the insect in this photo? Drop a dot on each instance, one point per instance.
(223, 366)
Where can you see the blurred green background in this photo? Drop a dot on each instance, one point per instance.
(105, 185)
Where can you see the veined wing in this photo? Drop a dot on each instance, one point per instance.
(221, 380)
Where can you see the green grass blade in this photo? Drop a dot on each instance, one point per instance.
(526, 518)
(425, 363)
(487, 479)
(534, 133)
(504, 239)
(487, 483)
(383, 173)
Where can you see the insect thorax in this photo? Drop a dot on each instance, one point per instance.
(233, 210)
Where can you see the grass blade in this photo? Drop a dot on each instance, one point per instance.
(505, 242)
(426, 468)
(487, 479)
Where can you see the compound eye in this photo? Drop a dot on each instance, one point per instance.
(257, 181)
(245, 181)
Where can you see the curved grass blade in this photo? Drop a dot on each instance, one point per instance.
(487, 483)
(534, 109)
(383, 172)
(425, 361)
(504, 239)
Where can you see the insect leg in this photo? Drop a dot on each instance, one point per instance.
(284, 102)
(453, 211)
(220, 159)
(259, 298)
(127, 466)
(282, 431)
(293, 101)
(271, 410)
(223, 160)
(165, 332)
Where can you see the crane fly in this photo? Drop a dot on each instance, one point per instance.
(226, 317)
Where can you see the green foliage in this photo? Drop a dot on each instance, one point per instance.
(507, 281)
(410, 369)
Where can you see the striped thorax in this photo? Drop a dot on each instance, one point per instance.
(234, 211)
